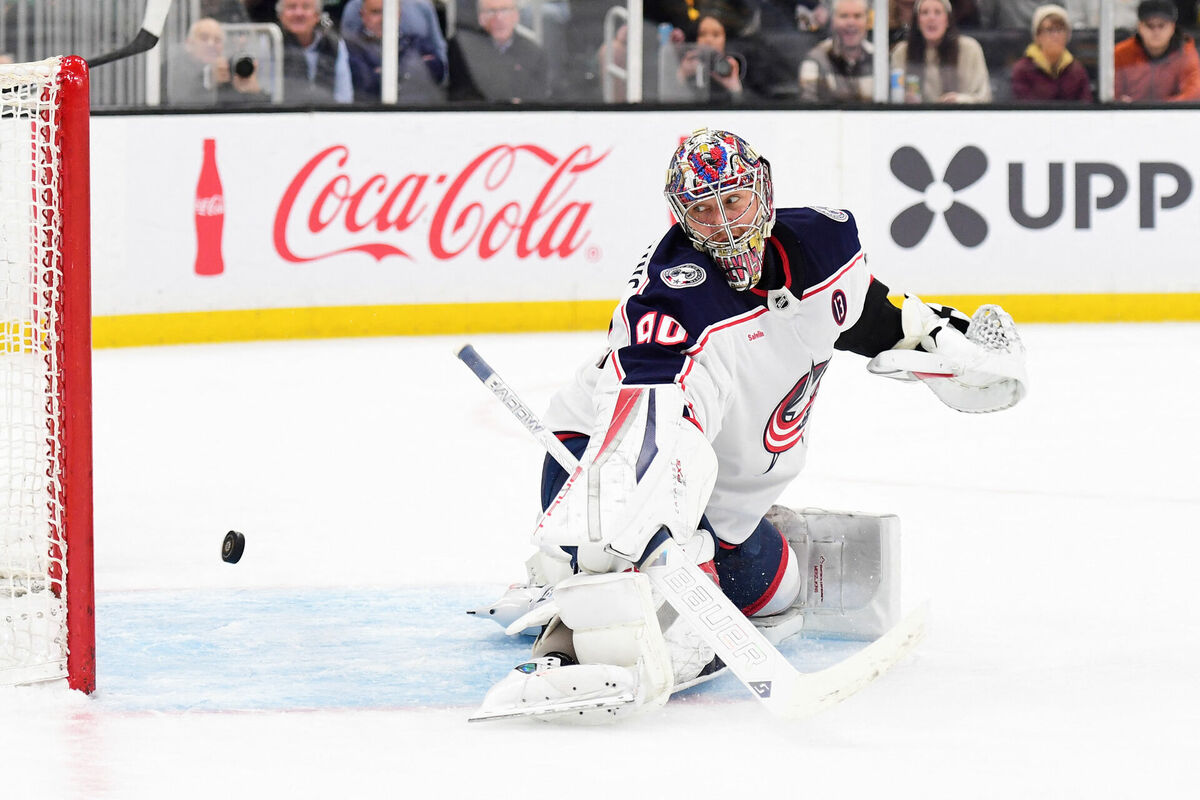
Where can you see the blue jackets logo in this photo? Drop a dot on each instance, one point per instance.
(787, 423)
(683, 276)
(966, 224)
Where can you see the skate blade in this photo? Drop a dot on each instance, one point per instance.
(558, 709)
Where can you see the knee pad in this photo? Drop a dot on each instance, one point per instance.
(762, 575)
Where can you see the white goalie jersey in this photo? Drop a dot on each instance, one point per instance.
(749, 364)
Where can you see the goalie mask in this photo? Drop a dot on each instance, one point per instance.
(720, 191)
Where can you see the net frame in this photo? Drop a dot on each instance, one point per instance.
(47, 607)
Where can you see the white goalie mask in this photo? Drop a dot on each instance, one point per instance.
(719, 189)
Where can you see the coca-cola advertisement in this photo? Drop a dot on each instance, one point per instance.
(519, 200)
(526, 212)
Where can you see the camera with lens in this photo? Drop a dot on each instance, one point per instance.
(714, 62)
(242, 66)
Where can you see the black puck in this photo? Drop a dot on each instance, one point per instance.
(232, 547)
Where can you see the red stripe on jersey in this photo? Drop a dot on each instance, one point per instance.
(626, 400)
(687, 369)
(702, 342)
(774, 587)
(834, 279)
(617, 367)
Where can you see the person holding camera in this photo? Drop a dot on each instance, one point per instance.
(202, 75)
(706, 72)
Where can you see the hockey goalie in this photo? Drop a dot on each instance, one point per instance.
(691, 424)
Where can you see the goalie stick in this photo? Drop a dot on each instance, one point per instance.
(780, 687)
(152, 25)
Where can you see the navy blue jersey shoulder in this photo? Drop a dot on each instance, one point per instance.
(818, 243)
(684, 293)
(686, 284)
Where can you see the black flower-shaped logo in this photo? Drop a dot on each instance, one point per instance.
(910, 168)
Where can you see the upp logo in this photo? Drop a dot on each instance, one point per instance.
(966, 224)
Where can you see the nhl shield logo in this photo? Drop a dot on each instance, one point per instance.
(683, 276)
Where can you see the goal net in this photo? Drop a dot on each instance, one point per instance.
(46, 605)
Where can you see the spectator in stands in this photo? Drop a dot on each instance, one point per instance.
(1048, 71)
(200, 74)
(316, 64)
(707, 73)
(1158, 63)
(839, 69)
(949, 66)
(418, 20)
(420, 73)
(498, 64)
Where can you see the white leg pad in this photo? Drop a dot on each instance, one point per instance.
(624, 664)
(614, 622)
(851, 568)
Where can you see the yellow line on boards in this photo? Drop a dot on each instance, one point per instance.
(1181, 307)
(196, 327)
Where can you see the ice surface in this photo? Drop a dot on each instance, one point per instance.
(383, 492)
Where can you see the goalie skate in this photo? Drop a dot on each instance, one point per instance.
(549, 687)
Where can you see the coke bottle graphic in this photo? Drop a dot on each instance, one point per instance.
(210, 214)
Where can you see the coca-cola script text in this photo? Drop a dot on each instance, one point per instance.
(490, 205)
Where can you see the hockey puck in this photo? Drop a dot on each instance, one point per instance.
(232, 547)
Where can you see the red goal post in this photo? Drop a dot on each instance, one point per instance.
(47, 616)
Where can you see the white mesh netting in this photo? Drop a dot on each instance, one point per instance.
(32, 553)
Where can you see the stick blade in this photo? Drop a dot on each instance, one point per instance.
(816, 691)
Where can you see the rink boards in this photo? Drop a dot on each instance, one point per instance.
(337, 224)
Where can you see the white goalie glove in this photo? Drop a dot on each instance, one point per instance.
(978, 371)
